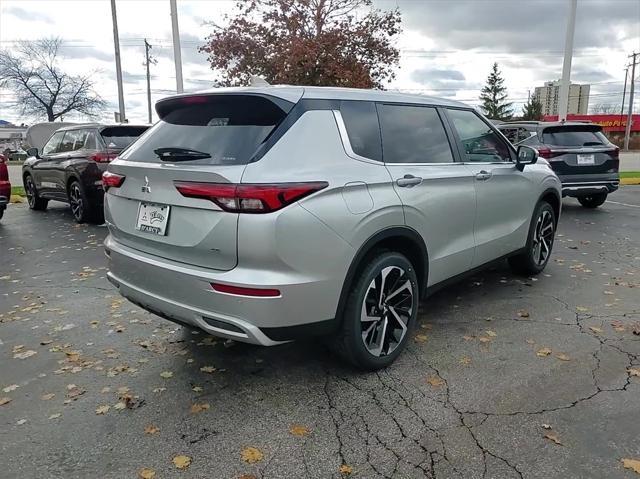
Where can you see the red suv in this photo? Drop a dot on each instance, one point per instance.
(5, 186)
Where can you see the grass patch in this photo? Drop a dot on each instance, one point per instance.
(17, 191)
(630, 174)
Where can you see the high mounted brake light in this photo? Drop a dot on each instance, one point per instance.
(249, 198)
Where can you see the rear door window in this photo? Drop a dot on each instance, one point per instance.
(221, 129)
(480, 143)
(361, 121)
(73, 140)
(575, 135)
(119, 137)
(413, 134)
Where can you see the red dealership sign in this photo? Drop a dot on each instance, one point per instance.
(607, 122)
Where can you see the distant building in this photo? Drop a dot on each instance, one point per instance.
(549, 96)
(11, 136)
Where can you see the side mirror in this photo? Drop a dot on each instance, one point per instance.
(32, 152)
(526, 156)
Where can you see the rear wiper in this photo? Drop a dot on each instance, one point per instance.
(180, 154)
(592, 143)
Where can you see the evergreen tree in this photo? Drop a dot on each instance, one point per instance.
(532, 110)
(494, 95)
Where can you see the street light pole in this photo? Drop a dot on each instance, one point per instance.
(147, 47)
(624, 90)
(177, 54)
(116, 43)
(627, 130)
(566, 65)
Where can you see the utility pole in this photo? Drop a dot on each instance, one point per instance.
(116, 43)
(149, 60)
(177, 54)
(563, 105)
(624, 91)
(627, 130)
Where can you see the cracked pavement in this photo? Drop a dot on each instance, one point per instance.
(496, 363)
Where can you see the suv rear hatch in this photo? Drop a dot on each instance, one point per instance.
(579, 150)
(206, 138)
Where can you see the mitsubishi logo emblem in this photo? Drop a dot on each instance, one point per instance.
(146, 188)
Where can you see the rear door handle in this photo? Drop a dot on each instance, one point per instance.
(408, 181)
(483, 175)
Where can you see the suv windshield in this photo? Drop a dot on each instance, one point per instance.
(575, 135)
(225, 129)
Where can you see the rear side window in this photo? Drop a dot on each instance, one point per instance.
(361, 121)
(574, 136)
(73, 140)
(52, 145)
(413, 134)
(119, 137)
(225, 129)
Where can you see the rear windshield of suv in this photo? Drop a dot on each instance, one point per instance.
(119, 137)
(587, 135)
(221, 129)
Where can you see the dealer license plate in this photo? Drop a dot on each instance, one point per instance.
(153, 218)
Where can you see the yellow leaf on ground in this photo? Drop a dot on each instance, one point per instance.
(563, 357)
(25, 354)
(346, 470)
(633, 464)
(554, 438)
(465, 360)
(4, 401)
(181, 462)
(146, 473)
(166, 374)
(55, 416)
(543, 352)
(46, 397)
(10, 388)
(207, 369)
(103, 409)
(523, 314)
(484, 339)
(151, 429)
(420, 338)
(119, 406)
(595, 329)
(491, 333)
(199, 407)
(251, 454)
(634, 372)
(299, 430)
(582, 309)
(466, 337)
(435, 381)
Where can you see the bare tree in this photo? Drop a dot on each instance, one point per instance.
(40, 88)
(605, 108)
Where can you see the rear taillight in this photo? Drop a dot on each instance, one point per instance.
(547, 153)
(103, 157)
(242, 291)
(249, 198)
(110, 179)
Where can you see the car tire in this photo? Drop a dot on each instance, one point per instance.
(372, 340)
(593, 201)
(81, 207)
(33, 199)
(1, 213)
(539, 245)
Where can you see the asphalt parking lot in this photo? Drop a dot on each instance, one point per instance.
(504, 377)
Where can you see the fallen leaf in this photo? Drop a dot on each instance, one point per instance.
(633, 464)
(563, 357)
(166, 374)
(618, 326)
(5, 400)
(55, 416)
(182, 462)
(25, 354)
(199, 407)
(420, 338)
(466, 337)
(554, 438)
(119, 406)
(146, 473)
(484, 339)
(103, 409)
(491, 333)
(151, 429)
(247, 476)
(251, 455)
(46, 397)
(207, 369)
(595, 329)
(523, 314)
(546, 426)
(543, 352)
(634, 372)
(21, 422)
(346, 470)
(197, 389)
(10, 388)
(465, 360)
(299, 430)
(582, 309)
(530, 341)
(435, 381)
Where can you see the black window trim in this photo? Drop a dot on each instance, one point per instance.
(461, 152)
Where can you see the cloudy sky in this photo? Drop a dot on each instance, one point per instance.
(447, 46)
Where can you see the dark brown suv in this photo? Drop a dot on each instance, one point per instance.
(69, 168)
(580, 154)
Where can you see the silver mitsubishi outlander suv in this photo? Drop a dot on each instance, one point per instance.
(268, 214)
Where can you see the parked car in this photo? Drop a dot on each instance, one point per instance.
(268, 214)
(5, 185)
(69, 168)
(584, 159)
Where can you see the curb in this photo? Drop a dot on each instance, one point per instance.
(630, 181)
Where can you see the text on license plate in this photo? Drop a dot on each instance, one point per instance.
(153, 218)
(586, 160)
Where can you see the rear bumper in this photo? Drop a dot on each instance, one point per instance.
(183, 294)
(575, 186)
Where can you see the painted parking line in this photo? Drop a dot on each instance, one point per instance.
(623, 204)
